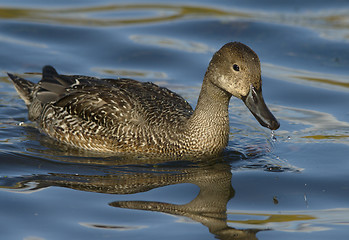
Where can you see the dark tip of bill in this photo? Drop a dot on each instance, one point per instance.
(274, 125)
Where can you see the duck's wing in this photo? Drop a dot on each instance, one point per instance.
(101, 105)
(109, 102)
(84, 98)
(102, 114)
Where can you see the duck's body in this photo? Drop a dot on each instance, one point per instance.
(127, 116)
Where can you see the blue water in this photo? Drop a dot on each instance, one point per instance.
(292, 184)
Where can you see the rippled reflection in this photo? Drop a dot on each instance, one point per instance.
(112, 15)
(333, 81)
(171, 43)
(331, 24)
(314, 126)
(208, 208)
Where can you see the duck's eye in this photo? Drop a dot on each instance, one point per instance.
(236, 67)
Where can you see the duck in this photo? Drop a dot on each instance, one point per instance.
(123, 115)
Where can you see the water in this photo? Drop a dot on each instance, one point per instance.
(290, 184)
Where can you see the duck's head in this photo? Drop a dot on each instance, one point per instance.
(236, 69)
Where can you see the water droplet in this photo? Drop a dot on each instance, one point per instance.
(273, 138)
(275, 200)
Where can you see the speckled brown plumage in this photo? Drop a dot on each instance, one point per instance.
(124, 115)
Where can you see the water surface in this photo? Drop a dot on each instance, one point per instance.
(293, 184)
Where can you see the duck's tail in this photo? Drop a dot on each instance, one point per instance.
(24, 88)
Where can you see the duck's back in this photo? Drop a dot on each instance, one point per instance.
(117, 115)
(111, 101)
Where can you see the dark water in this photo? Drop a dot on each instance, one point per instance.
(294, 185)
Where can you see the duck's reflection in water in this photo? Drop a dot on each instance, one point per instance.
(209, 207)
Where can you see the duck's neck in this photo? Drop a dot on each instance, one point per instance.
(209, 123)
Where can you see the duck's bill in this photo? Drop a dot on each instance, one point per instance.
(255, 103)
